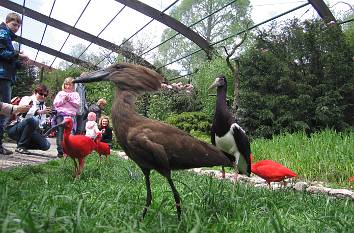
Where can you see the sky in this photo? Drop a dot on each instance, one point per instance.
(100, 12)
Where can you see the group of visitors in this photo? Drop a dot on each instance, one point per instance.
(30, 115)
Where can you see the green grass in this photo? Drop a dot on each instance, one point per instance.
(326, 156)
(110, 196)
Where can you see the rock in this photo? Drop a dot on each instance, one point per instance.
(318, 189)
(341, 193)
(301, 186)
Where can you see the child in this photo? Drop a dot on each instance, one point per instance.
(91, 126)
(106, 130)
(67, 104)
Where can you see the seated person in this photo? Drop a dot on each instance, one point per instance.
(91, 126)
(26, 128)
(106, 130)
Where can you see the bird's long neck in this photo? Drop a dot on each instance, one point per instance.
(223, 118)
(66, 135)
(124, 114)
(221, 99)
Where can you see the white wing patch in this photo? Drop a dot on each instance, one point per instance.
(227, 143)
(237, 126)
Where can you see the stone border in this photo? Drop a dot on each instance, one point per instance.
(16, 159)
(313, 187)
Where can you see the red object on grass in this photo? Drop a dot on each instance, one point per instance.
(271, 171)
(102, 147)
(76, 146)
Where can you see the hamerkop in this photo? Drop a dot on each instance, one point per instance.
(149, 143)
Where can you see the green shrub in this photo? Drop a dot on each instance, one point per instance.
(190, 121)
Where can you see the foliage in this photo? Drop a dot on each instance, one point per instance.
(297, 78)
(190, 121)
(203, 136)
(215, 27)
(26, 79)
(205, 77)
(164, 103)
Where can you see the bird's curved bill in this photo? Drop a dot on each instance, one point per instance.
(95, 76)
(62, 124)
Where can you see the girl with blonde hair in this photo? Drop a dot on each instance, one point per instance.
(66, 103)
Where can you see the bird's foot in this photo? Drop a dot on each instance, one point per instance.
(222, 175)
(144, 212)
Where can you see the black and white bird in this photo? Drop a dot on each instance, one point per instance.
(226, 134)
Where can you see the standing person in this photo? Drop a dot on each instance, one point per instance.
(91, 126)
(82, 113)
(10, 62)
(67, 104)
(97, 108)
(26, 128)
(106, 130)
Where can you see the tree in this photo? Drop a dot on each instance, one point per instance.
(26, 79)
(215, 27)
(299, 77)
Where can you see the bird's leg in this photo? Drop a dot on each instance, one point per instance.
(176, 196)
(284, 183)
(75, 164)
(81, 166)
(222, 172)
(236, 171)
(148, 191)
(270, 186)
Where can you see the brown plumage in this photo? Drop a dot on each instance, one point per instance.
(149, 143)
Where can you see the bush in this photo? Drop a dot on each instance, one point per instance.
(190, 121)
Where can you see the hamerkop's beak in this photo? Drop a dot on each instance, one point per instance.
(95, 76)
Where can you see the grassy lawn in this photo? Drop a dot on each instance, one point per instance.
(110, 196)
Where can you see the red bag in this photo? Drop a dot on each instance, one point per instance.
(14, 101)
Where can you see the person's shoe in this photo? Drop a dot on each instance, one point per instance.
(22, 151)
(60, 155)
(5, 151)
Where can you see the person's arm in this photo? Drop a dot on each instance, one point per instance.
(96, 130)
(59, 99)
(75, 100)
(93, 108)
(7, 53)
(8, 109)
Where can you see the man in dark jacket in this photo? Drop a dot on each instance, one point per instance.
(97, 108)
(10, 62)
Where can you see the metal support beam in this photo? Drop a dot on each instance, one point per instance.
(54, 52)
(323, 10)
(168, 21)
(41, 65)
(74, 31)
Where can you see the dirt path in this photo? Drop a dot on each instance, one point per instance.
(17, 159)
